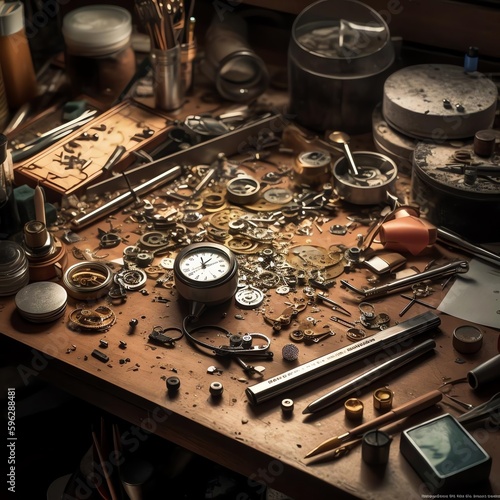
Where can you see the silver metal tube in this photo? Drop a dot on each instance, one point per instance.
(341, 357)
(127, 197)
(369, 376)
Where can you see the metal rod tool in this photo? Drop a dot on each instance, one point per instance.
(456, 267)
(342, 357)
(127, 197)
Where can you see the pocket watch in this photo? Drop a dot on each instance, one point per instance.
(205, 274)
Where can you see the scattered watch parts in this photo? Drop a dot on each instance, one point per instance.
(100, 319)
(249, 297)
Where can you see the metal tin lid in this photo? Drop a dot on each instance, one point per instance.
(341, 38)
(42, 301)
(439, 102)
(11, 18)
(14, 268)
(467, 339)
(97, 30)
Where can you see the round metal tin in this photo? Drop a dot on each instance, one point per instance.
(439, 102)
(41, 302)
(377, 176)
(467, 339)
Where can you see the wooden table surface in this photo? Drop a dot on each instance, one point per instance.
(257, 441)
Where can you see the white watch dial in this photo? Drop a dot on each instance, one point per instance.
(206, 273)
(204, 265)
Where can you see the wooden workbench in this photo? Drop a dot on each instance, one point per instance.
(259, 442)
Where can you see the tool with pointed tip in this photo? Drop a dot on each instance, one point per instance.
(368, 377)
(410, 408)
(460, 266)
(342, 138)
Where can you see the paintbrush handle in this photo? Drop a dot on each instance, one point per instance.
(410, 408)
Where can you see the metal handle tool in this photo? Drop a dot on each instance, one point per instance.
(51, 136)
(489, 410)
(126, 197)
(342, 357)
(358, 383)
(454, 240)
(460, 266)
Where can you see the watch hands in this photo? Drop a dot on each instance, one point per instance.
(204, 264)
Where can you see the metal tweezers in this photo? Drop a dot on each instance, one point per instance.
(489, 410)
(460, 266)
(480, 169)
(51, 136)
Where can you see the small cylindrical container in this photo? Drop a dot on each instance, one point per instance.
(484, 374)
(167, 78)
(312, 169)
(471, 60)
(382, 399)
(237, 72)
(354, 408)
(99, 57)
(375, 447)
(16, 63)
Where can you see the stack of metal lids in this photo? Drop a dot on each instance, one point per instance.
(41, 302)
(14, 268)
(438, 103)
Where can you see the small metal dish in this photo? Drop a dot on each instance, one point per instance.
(376, 178)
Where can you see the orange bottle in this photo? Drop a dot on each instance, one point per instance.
(16, 62)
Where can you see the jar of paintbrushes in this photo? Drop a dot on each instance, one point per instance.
(164, 23)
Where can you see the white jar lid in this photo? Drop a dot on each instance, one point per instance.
(97, 30)
(11, 18)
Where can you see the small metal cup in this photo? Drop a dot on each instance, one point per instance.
(486, 373)
(167, 78)
(136, 477)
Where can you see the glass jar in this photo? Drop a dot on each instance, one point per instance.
(339, 55)
(99, 58)
(16, 63)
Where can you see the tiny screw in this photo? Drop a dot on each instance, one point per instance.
(103, 343)
(123, 345)
(459, 107)
(446, 104)
(133, 324)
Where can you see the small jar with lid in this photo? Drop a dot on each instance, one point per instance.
(99, 57)
(16, 63)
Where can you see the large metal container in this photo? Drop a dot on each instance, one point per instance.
(339, 55)
(470, 209)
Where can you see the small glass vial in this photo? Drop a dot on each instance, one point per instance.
(16, 63)
(471, 60)
(99, 58)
